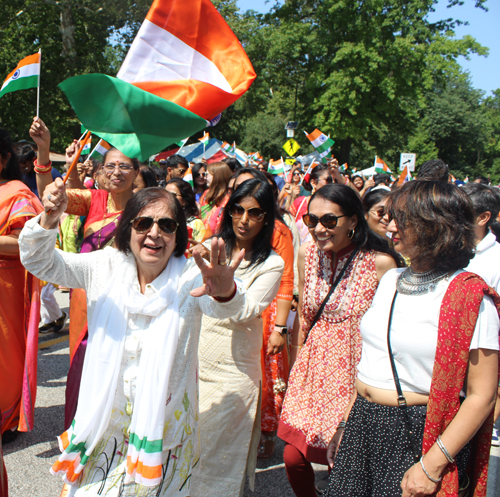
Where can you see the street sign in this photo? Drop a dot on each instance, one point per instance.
(291, 147)
(407, 160)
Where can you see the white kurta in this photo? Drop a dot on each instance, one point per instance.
(230, 377)
(105, 470)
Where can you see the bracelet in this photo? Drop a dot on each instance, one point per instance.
(227, 299)
(443, 450)
(433, 480)
(42, 169)
(341, 424)
(296, 346)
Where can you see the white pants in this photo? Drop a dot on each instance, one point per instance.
(49, 308)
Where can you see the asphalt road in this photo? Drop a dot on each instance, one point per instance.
(30, 456)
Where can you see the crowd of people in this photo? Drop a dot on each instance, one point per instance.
(355, 319)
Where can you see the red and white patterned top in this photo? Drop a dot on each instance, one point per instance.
(322, 379)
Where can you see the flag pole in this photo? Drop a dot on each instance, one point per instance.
(204, 145)
(38, 87)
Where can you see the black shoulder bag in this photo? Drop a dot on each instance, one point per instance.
(401, 398)
(332, 289)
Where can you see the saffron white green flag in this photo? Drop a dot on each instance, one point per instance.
(276, 166)
(320, 142)
(188, 177)
(25, 75)
(205, 138)
(100, 149)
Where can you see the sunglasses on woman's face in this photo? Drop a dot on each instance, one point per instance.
(254, 214)
(143, 224)
(380, 212)
(329, 221)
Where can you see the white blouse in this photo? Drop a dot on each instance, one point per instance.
(414, 333)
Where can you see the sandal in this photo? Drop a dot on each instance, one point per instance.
(266, 446)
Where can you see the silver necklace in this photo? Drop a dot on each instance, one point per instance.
(410, 283)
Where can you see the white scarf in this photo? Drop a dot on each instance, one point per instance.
(101, 368)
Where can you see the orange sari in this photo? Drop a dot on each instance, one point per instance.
(19, 315)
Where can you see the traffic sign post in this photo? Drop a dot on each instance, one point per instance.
(407, 160)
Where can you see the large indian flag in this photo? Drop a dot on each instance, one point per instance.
(24, 76)
(184, 68)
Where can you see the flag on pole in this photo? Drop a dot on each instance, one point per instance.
(254, 156)
(25, 75)
(228, 149)
(87, 142)
(181, 143)
(381, 166)
(184, 68)
(343, 167)
(188, 177)
(320, 142)
(466, 180)
(307, 175)
(276, 166)
(100, 149)
(205, 138)
(404, 177)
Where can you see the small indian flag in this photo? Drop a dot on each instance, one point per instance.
(320, 142)
(404, 177)
(87, 145)
(205, 138)
(381, 166)
(228, 149)
(100, 149)
(343, 167)
(25, 75)
(276, 166)
(188, 177)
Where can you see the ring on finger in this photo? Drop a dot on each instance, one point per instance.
(49, 196)
(222, 263)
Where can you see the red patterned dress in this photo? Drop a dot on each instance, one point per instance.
(321, 382)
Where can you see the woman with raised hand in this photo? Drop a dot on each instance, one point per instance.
(339, 272)
(102, 210)
(136, 428)
(19, 301)
(229, 355)
(430, 336)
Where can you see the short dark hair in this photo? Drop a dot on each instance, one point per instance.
(252, 171)
(11, 170)
(382, 178)
(140, 201)
(315, 175)
(484, 199)
(350, 205)
(440, 220)
(175, 159)
(374, 197)
(190, 209)
(26, 154)
(135, 162)
(262, 192)
(233, 163)
(434, 170)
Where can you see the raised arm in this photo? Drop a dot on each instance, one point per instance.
(41, 136)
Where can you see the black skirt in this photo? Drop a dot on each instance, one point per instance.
(375, 451)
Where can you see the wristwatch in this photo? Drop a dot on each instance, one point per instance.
(282, 329)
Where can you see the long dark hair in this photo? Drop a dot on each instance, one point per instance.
(350, 205)
(438, 219)
(374, 197)
(196, 172)
(148, 176)
(190, 209)
(262, 192)
(315, 175)
(11, 170)
(137, 203)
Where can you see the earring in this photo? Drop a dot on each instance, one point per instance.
(350, 234)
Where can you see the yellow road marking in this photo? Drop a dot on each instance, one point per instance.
(49, 343)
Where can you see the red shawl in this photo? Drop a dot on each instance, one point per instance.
(457, 320)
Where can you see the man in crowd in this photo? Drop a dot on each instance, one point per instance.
(175, 167)
(434, 170)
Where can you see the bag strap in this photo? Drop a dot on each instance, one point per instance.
(401, 398)
(332, 289)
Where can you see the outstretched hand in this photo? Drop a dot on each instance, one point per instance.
(218, 276)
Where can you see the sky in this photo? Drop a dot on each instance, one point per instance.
(483, 26)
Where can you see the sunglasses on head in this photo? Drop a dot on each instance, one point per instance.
(143, 224)
(329, 221)
(254, 214)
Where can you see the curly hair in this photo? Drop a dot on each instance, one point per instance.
(438, 220)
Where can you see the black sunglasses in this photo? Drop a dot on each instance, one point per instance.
(329, 221)
(254, 214)
(143, 224)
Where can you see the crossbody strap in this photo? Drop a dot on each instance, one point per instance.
(401, 398)
(332, 289)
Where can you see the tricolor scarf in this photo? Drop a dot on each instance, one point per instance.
(457, 320)
(101, 368)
